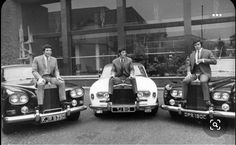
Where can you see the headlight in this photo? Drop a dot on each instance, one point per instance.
(221, 96)
(168, 87)
(102, 95)
(143, 94)
(18, 99)
(76, 93)
(176, 93)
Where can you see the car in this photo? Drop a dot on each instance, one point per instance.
(123, 98)
(222, 95)
(19, 99)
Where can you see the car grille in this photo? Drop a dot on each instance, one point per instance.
(195, 98)
(51, 98)
(123, 96)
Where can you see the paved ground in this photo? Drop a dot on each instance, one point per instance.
(135, 128)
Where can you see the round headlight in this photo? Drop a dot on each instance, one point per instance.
(172, 102)
(216, 96)
(24, 110)
(79, 92)
(140, 94)
(106, 95)
(72, 93)
(74, 102)
(13, 99)
(24, 99)
(174, 93)
(225, 96)
(168, 87)
(225, 107)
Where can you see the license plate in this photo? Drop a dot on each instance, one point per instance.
(195, 115)
(123, 109)
(53, 118)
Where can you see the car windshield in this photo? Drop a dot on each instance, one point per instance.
(224, 68)
(139, 70)
(17, 73)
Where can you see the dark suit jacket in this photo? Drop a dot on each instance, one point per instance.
(39, 67)
(127, 69)
(208, 57)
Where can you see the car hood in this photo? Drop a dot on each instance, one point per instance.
(216, 84)
(29, 84)
(143, 83)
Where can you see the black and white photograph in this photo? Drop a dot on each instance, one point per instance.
(117, 72)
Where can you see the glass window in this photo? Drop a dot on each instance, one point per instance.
(153, 11)
(93, 52)
(156, 38)
(91, 14)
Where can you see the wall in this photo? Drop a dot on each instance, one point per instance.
(10, 19)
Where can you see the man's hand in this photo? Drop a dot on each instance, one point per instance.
(59, 78)
(189, 75)
(200, 61)
(41, 81)
(131, 76)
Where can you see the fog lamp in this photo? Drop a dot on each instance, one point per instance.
(24, 110)
(74, 103)
(172, 102)
(225, 107)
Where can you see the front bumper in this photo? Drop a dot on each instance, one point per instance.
(211, 113)
(123, 108)
(36, 117)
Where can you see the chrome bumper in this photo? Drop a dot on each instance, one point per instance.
(213, 113)
(36, 117)
(137, 107)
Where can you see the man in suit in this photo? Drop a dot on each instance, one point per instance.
(45, 70)
(122, 71)
(199, 63)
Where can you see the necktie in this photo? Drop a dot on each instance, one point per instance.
(197, 53)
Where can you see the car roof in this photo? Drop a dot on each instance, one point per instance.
(15, 65)
(134, 63)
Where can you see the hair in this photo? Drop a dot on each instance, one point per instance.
(197, 41)
(46, 46)
(121, 49)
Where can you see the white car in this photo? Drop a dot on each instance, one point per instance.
(123, 99)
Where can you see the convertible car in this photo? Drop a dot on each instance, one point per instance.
(19, 100)
(123, 99)
(222, 95)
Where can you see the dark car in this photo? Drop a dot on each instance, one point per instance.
(123, 99)
(19, 100)
(222, 95)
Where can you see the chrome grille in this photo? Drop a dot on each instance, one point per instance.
(195, 98)
(123, 96)
(51, 98)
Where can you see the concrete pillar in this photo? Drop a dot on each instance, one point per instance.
(66, 36)
(187, 26)
(97, 53)
(120, 22)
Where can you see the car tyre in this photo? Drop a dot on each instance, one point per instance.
(6, 128)
(73, 117)
(154, 111)
(98, 115)
(174, 114)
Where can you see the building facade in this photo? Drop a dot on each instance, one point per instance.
(86, 34)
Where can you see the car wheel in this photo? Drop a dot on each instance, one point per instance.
(154, 111)
(173, 114)
(98, 114)
(6, 128)
(73, 117)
